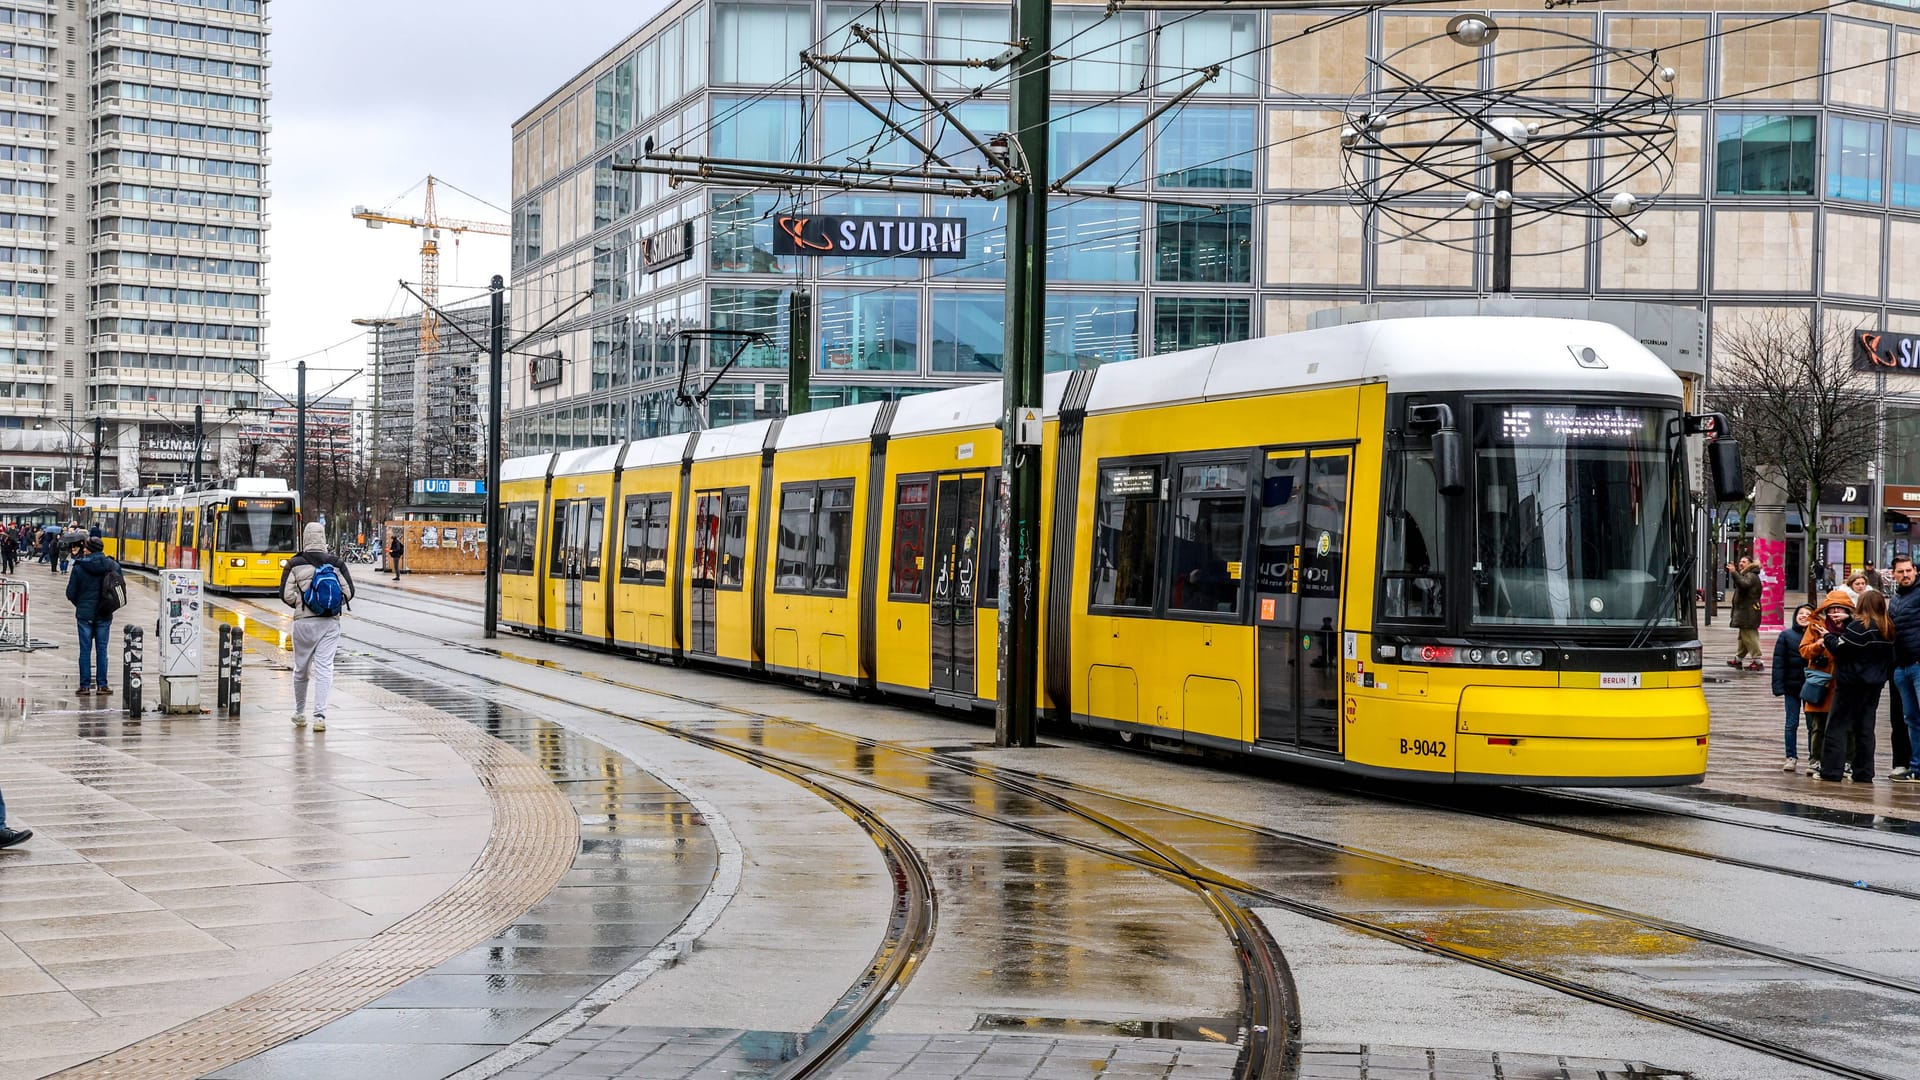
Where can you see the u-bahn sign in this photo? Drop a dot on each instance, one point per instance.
(1877, 350)
(896, 237)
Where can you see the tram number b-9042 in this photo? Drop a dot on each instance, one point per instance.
(1424, 747)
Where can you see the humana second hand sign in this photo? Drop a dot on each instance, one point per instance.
(910, 237)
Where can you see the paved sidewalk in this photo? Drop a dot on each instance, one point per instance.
(200, 888)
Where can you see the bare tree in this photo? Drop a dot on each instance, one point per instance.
(1799, 406)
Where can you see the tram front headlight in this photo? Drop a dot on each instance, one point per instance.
(238, 562)
(1472, 655)
(283, 564)
(1684, 659)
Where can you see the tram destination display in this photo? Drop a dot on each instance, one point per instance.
(1562, 425)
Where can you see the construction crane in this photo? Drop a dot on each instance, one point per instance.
(430, 225)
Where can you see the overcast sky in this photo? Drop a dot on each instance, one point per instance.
(368, 98)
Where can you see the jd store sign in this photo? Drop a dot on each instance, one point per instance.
(892, 237)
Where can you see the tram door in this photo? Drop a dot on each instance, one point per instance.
(704, 575)
(572, 549)
(1303, 526)
(955, 552)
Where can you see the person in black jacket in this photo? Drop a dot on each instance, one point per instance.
(1789, 675)
(96, 630)
(1904, 607)
(1863, 661)
(9, 551)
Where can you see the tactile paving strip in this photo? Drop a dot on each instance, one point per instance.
(535, 835)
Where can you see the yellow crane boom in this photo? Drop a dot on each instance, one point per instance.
(430, 225)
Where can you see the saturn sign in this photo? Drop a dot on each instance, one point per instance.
(893, 237)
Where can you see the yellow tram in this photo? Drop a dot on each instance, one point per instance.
(241, 536)
(1442, 549)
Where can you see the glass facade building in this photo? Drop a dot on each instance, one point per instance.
(1796, 184)
(132, 239)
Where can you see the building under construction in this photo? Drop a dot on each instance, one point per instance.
(431, 419)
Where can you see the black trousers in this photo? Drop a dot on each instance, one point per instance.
(1851, 720)
(1902, 745)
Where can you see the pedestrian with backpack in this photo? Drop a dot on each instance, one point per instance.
(97, 589)
(317, 586)
(396, 552)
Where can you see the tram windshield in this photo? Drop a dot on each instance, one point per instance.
(258, 526)
(1577, 511)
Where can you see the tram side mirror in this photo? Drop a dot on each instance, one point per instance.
(1449, 462)
(1723, 462)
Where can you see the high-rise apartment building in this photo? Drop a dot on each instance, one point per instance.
(429, 406)
(132, 241)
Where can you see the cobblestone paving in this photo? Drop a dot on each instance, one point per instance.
(599, 1052)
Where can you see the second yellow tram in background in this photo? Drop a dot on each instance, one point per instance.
(1446, 549)
(240, 535)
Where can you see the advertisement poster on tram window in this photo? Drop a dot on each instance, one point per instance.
(1772, 557)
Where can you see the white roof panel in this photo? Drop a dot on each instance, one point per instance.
(1052, 391)
(524, 468)
(732, 441)
(1157, 380)
(948, 410)
(590, 459)
(829, 427)
(664, 450)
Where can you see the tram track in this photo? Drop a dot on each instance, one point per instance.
(1166, 860)
(1269, 1039)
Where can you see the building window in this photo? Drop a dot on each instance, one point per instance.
(875, 330)
(1203, 243)
(969, 32)
(1906, 165)
(742, 234)
(1093, 241)
(899, 27)
(984, 119)
(969, 332)
(1206, 146)
(1078, 132)
(759, 43)
(1194, 322)
(1085, 330)
(1854, 159)
(986, 238)
(1761, 154)
(1188, 43)
(851, 133)
(1109, 50)
(760, 310)
(763, 129)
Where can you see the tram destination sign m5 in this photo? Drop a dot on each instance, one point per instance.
(886, 237)
(1878, 350)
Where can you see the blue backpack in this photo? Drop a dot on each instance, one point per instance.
(323, 595)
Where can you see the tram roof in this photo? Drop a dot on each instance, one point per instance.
(1409, 355)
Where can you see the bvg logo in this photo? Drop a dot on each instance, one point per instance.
(803, 238)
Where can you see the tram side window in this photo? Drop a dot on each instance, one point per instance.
(832, 538)
(1413, 554)
(644, 558)
(1126, 538)
(516, 550)
(796, 531)
(909, 578)
(595, 539)
(1209, 538)
(733, 549)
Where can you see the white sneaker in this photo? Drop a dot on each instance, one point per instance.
(299, 719)
(1900, 773)
(319, 722)
(1792, 764)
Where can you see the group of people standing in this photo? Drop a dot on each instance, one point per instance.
(54, 543)
(1831, 666)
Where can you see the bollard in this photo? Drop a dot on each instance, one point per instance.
(130, 671)
(221, 689)
(232, 683)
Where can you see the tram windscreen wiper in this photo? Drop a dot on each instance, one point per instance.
(1667, 595)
